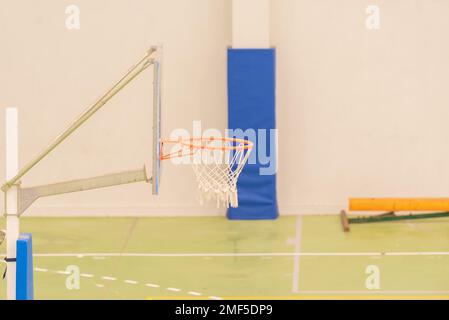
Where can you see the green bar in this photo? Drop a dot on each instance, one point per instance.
(394, 217)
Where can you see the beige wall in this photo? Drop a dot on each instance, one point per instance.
(52, 74)
(360, 113)
(251, 23)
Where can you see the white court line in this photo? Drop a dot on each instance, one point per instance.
(62, 272)
(151, 285)
(86, 275)
(249, 254)
(296, 262)
(373, 292)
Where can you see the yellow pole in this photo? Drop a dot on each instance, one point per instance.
(399, 204)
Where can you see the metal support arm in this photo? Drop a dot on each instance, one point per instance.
(28, 195)
(143, 64)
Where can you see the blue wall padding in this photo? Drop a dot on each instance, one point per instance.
(24, 268)
(251, 103)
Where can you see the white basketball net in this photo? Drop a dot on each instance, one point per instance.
(217, 164)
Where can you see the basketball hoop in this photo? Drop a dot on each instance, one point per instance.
(217, 164)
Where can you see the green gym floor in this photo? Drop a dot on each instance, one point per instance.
(304, 257)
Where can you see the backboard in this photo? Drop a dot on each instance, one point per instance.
(157, 93)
